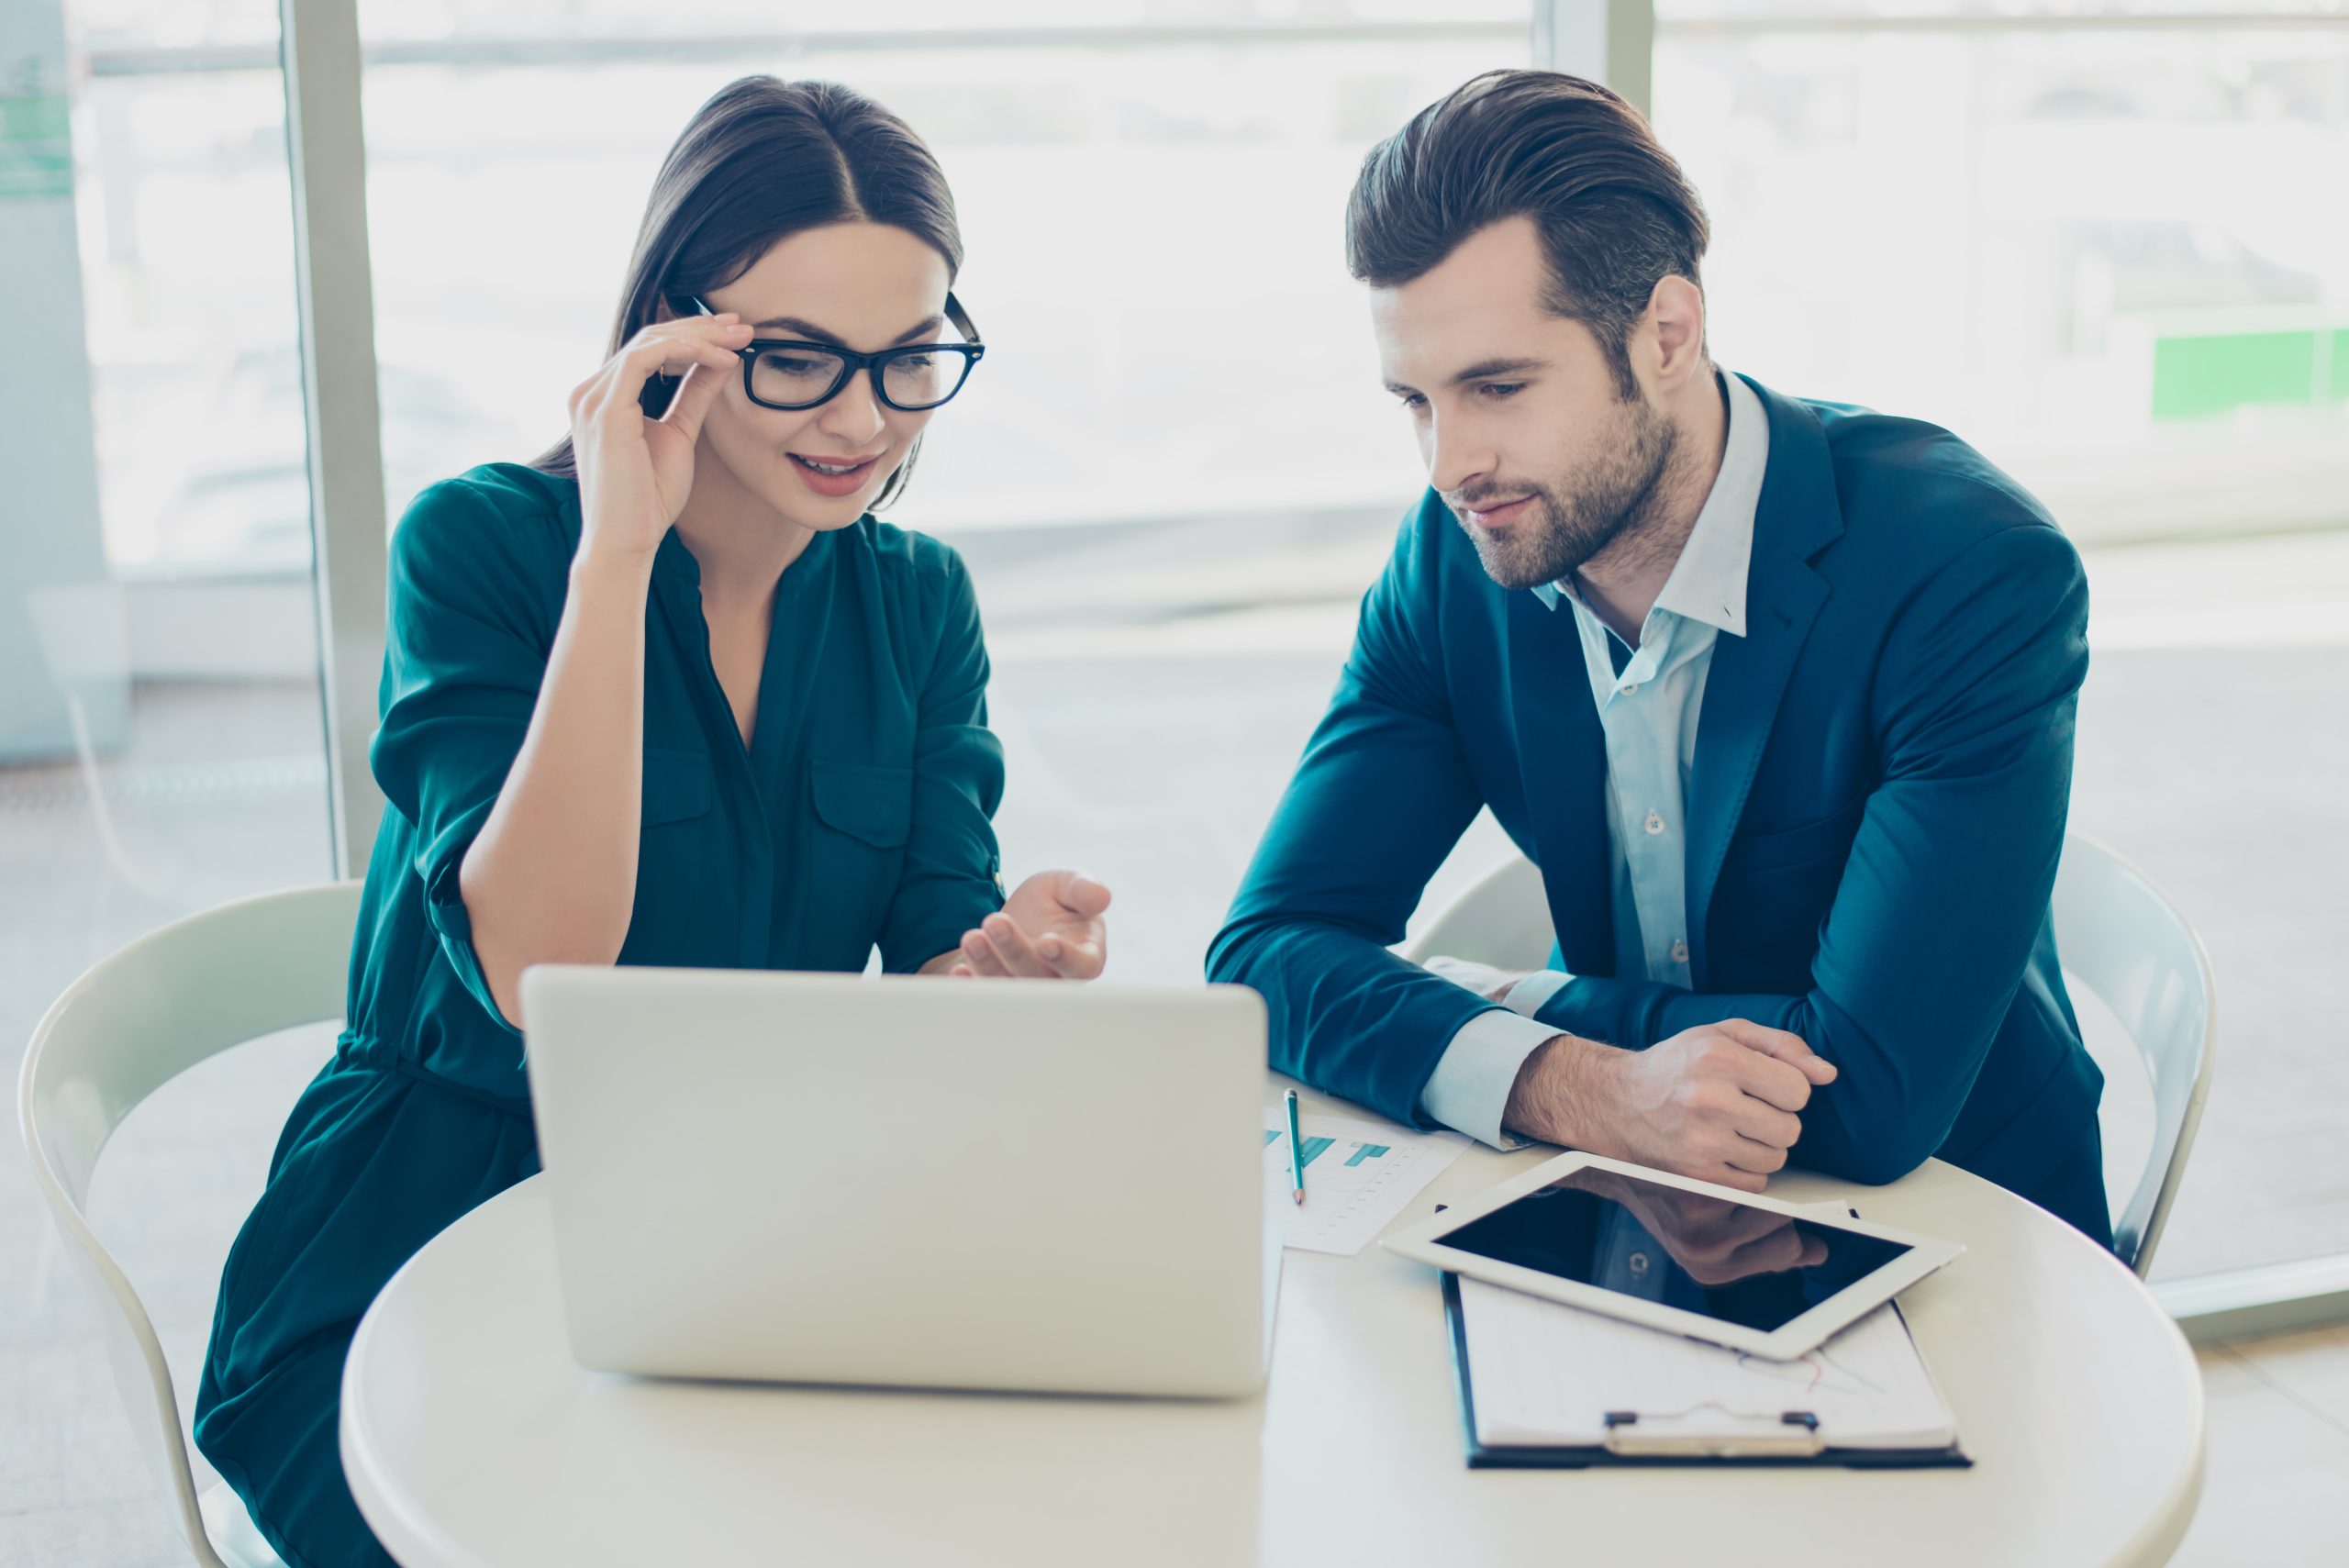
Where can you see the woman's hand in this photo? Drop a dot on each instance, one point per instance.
(1051, 928)
(635, 472)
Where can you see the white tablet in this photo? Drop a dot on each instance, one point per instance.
(1705, 1262)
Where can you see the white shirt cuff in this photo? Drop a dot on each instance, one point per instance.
(1529, 995)
(1469, 1088)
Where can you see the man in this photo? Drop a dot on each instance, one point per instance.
(1778, 694)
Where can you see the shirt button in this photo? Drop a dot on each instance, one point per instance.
(1630, 686)
(1680, 953)
(1639, 1262)
(1655, 823)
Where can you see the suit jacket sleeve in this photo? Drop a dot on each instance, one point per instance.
(1949, 875)
(1383, 794)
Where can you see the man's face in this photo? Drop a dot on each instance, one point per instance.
(1519, 422)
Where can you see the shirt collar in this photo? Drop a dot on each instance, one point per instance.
(1707, 583)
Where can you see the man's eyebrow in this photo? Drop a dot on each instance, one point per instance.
(815, 334)
(1487, 370)
(1483, 370)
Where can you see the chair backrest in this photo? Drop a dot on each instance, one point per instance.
(2121, 940)
(2119, 937)
(133, 1022)
(1502, 919)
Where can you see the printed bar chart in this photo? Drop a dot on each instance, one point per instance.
(1348, 1200)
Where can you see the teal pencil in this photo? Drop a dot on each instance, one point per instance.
(1295, 1153)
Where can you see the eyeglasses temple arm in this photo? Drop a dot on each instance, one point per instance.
(959, 320)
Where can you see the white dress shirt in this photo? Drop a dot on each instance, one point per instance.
(1650, 698)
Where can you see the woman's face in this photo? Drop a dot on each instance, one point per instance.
(866, 286)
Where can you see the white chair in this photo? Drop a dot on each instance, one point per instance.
(1502, 919)
(2119, 938)
(135, 1021)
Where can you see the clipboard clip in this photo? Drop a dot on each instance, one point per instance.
(1628, 1438)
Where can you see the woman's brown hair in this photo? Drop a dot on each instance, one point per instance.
(761, 161)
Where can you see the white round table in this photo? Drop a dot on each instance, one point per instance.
(473, 1441)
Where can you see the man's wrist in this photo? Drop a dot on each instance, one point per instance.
(1558, 1091)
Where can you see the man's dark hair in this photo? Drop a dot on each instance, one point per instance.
(1615, 213)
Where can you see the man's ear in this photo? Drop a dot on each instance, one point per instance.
(1675, 320)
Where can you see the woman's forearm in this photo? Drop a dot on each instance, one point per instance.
(551, 878)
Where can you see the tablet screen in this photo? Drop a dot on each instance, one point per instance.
(1741, 1264)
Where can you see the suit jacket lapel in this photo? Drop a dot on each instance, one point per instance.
(1562, 759)
(1798, 515)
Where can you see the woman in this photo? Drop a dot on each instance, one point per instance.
(668, 695)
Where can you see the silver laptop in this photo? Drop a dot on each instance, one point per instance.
(949, 1183)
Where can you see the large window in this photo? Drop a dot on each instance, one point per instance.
(1177, 468)
(1150, 197)
(2103, 245)
(162, 739)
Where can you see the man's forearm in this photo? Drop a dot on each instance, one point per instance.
(1557, 1095)
(1342, 1012)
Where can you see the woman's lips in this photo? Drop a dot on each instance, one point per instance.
(846, 481)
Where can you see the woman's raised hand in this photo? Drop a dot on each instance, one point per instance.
(634, 472)
(1051, 928)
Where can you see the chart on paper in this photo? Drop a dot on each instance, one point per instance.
(1358, 1176)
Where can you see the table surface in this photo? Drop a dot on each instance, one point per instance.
(473, 1441)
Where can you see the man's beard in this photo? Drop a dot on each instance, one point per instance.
(1566, 526)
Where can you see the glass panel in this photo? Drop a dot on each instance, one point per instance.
(1168, 542)
(1773, 14)
(504, 195)
(1133, 24)
(2092, 252)
(162, 742)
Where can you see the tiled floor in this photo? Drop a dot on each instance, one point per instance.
(2275, 1488)
(1150, 731)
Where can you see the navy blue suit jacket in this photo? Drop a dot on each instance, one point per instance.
(1882, 771)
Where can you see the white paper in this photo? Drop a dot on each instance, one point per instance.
(1358, 1176)
(1545, 1373)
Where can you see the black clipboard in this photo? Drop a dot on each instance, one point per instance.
(1481, 1457)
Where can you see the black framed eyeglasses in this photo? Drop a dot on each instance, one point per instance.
(792, 375)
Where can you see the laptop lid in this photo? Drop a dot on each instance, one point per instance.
(1015, 1185)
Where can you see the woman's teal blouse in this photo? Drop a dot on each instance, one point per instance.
(859, 815)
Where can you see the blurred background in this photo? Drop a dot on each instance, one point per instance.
(2106, 243)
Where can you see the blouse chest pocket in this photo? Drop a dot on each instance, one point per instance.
(676, 785)
(871, 805)
(863, 816)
